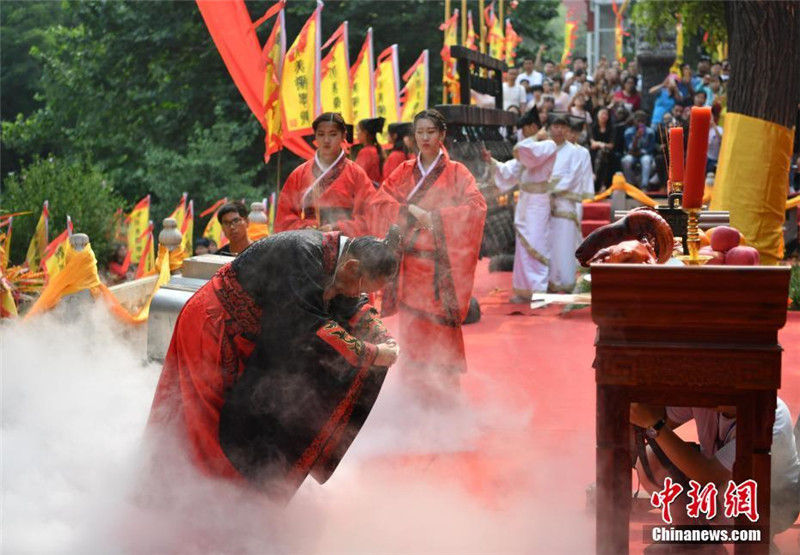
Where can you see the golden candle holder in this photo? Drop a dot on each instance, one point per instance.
(675, 188)
(694, 258)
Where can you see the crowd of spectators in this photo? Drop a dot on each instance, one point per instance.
(620, 135)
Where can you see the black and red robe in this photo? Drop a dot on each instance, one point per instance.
(264, 381)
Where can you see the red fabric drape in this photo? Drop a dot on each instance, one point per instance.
(235, 38)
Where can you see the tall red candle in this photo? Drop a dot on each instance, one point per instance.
(695, 175)
(676, 154)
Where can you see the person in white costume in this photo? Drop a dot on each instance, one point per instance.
(572, 182)
(530, 169)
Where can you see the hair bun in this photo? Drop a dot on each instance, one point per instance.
(393, 238)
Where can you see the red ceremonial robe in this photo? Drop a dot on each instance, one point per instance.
(339, 198)
(434, 285)
(394, 159)
(265, 384)
(369, 159)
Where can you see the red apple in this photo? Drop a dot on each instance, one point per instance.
(724, 238)
(717, 258)
(742, 256)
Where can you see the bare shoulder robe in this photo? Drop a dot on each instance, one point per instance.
(530, 169)
(572, 182)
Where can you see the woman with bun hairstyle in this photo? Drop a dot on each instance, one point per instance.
(440, 212)
(401, 135)
(371, 155)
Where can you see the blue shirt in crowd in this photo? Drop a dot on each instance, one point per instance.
(663, 104)
(647, 142)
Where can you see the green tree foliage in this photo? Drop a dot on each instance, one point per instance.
(73, 188)
(122, 77)
(138, 92)
(657, 17)
(208, 170)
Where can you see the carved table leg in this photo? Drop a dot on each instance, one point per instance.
(613, 470)
(755, 417)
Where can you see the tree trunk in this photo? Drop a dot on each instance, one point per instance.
(753, 174)
(654, 61)
(764, 39)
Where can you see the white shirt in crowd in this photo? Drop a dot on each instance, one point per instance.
(714, 141)
(534, 78)
(514, 95)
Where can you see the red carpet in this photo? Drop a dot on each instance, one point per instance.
(539, 363)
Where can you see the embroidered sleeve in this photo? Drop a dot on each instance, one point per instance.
(355, 351)
(367, 326)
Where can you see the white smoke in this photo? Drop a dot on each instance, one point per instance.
(75, 400)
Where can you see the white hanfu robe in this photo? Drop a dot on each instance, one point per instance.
(572, 183)
(530, 169)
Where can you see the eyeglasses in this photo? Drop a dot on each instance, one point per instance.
(233, 222)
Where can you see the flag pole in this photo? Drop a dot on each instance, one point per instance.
(500, 4)
(463, 22)
(444, 66)
(482, 25)
(278, 175)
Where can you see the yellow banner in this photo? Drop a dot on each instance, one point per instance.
(8, 308)
(512, 41)
(138, 221)
(415, 93)
(495, 39)
(213, 230)
(676, 67)
(300, 78)
(569, 39)
(187, 230)
(472, 38)
(180, 212)
(335, 83)
(753, 169)
(449, 73)
(274, 51)
(361, 83)
(147, 264)
(39, 240)
(55, 257)
(387, 86)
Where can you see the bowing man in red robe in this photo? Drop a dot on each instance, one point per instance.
(371, 156)
(401, 137)
(275, 363)
(328, 192)
(440, 212)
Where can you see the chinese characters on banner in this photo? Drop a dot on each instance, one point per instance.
(387, 85)
(361, 82)
(415, 93)
(300, 78)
